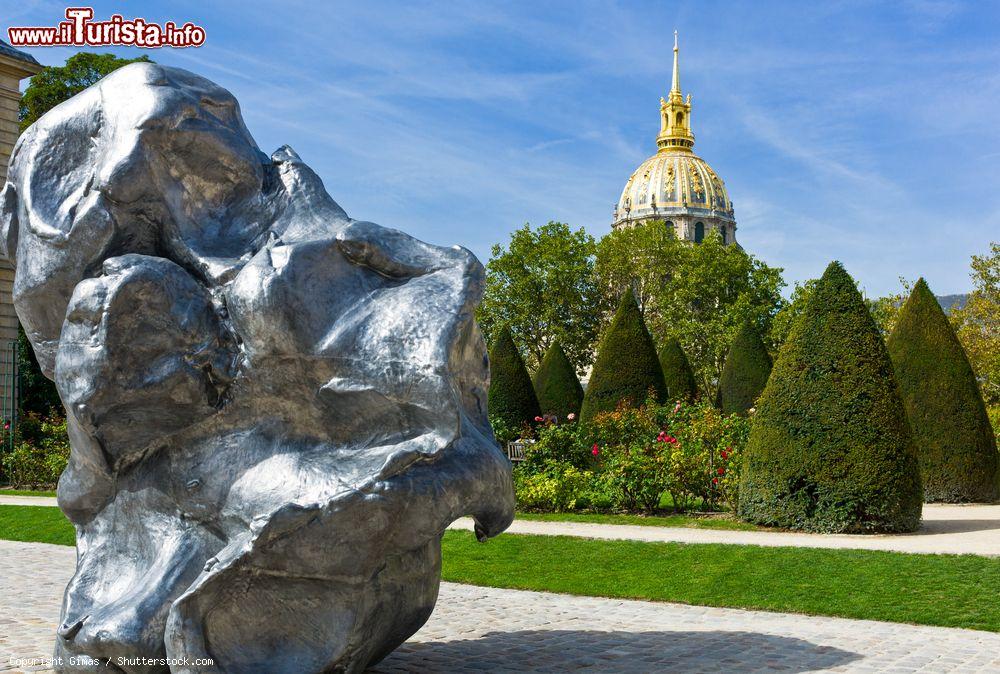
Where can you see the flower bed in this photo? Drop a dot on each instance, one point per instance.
(634, 460)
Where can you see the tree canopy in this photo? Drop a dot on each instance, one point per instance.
(978, 323)
(55, 84)
(955, 441)
(627, 369)
(558, 390)
(699, 293)
(541, 287)
(830, 448)
(745, 373)
(677, 374)
(511, 401)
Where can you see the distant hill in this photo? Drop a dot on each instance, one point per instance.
(949, 301)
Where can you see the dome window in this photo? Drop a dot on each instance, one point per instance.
(680, 118)
(699, 232)
(722, 231)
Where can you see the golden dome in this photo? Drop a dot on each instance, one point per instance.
(672, 182)
(675, 185)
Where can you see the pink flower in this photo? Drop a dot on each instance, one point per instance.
(671, 439)
(677, 408)
(6, 426)
(594, 450)
(538, 418)
(570, 416)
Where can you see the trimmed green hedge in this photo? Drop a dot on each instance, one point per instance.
(745, 373)
(830, 447)
(558, 390)
(626, 368)
(677, 373)
(954, 438)
(511, 399)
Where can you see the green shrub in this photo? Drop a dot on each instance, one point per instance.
(40, 454)
(955, 442)
(627, 368)
(745, 373)
(678, 377)
(994, 414)
(830, 448)
(562, 486)
(511, 401)
(558, 390)
(558, 443)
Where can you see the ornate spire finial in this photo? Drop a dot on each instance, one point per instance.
(675, 114)
(676, 84)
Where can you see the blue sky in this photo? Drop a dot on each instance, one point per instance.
(859, 131)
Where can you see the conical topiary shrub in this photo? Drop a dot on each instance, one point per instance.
(745, 372)
(830, 448)
(626, 368)
(558, 390)
(677, 374)
(955, 441)
(511, 399)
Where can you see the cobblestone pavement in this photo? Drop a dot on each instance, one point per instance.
(954, 529)
(484, 629)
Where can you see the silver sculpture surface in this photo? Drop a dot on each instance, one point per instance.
(275, 410)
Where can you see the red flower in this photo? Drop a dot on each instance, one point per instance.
(721, 470)
(671, 439)
(595, 451)
(724, 455)
(538, 418)
(715, 480)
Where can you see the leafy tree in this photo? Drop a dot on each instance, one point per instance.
(541, 288)
(55, 84)
(511, 401)
(790, 310)
(955, 442)
(745, 373)
(558, 390)
(627, 369)
(830, 447)
(642, 259)
(47, 89)
(699, 293)
(978, 323)
(677, 373)
(716, 290)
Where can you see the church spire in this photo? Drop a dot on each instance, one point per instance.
(675, 85)
(675, 114)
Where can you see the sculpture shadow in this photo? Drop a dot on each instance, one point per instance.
(956, 526)
(659, 651)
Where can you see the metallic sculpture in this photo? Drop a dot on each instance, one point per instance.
(274, 410)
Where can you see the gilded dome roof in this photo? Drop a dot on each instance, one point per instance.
(674, 182)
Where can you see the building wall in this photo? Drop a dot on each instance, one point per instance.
(11, 74)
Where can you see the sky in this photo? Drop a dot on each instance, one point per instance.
(860, 131)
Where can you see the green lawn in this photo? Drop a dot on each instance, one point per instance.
(685, 521)
(37, 524)
(25, 492)
(946, 590)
